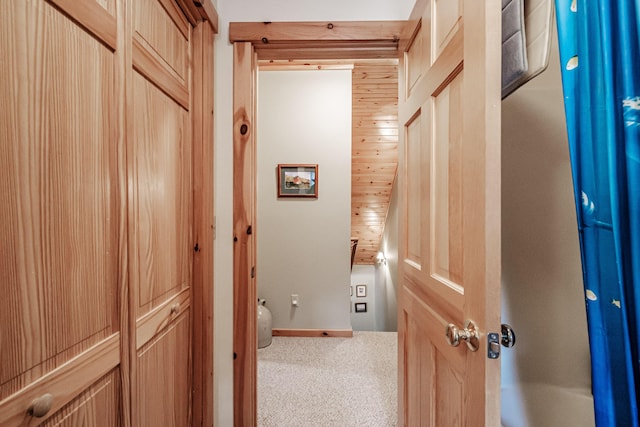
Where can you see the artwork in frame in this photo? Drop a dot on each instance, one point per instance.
(361, 291)
(298, 180)
(361, 307)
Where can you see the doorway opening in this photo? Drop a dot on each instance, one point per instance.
(275, 41)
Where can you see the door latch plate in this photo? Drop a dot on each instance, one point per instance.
(493, 347)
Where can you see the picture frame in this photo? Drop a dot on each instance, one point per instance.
(361, 307)
(298, 180)
(361, 291)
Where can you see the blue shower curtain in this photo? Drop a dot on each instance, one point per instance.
(600, 60)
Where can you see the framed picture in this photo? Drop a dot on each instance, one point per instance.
(361, 290)
(361, 307)
(298, 181)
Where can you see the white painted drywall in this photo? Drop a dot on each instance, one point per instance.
(546, 377)
(387, 274)
(303, 244)
(364, 275)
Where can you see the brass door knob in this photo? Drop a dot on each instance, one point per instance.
(469, 335)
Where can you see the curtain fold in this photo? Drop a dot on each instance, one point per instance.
(599, 52)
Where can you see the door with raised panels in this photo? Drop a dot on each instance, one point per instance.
(96, 208)
(63, 214)
(160, 213)
(449, 180)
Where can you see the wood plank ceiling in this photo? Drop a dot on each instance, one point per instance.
(374, 146)
(371, 49)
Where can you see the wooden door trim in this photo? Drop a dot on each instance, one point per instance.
(320, 40)
(295, 40)
(203, 224)
(244, 290)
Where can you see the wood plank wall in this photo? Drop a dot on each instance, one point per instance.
(374, 152)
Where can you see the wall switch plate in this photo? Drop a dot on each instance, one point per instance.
(294, 300)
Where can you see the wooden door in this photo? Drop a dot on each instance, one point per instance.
(449, 179)
(160, 213)
(62, 210)
(97, 231)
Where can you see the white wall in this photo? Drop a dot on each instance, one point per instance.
(382, 295)
(303, 244)
(255, 10)
(546, 377)
(364, 275)
(387, 274)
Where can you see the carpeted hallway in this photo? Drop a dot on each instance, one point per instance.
(325, 382)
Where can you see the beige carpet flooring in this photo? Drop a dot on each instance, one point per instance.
(327, 382)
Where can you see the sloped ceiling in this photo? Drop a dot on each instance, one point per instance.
(374, 152)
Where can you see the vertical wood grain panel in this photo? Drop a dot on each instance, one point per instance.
(446, 21)
(449, 389)
(164, 29)
(127, 293)
(413, 190)
(164, 395)
(163, 209)
(456, 236)
(439, 190)
(58, 192)
(414, 59)
(244, 292)
(98, 405)
(446, 188)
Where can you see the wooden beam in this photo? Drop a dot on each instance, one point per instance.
(331, 52)
(270, 32)
(320, 40)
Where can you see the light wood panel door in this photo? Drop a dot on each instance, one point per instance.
(160, 225)
(449, 180)
(101, 230)
(62, 210)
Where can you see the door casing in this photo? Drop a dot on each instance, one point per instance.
(253, 42)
